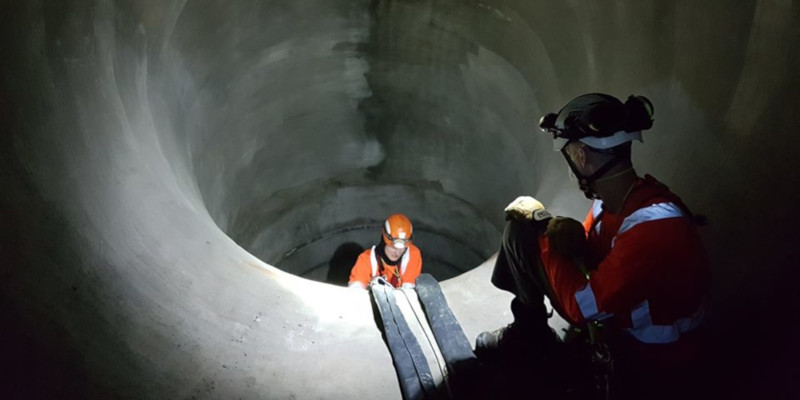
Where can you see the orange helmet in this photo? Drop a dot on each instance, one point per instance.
(397, 231)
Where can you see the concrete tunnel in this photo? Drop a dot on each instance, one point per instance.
(178, 176)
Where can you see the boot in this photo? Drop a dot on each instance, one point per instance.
(501, 344)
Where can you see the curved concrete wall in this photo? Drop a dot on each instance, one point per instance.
(153, 153)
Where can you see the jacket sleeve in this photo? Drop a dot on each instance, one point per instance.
(640, 262)
(413, 269)
(361, 273)
(565, 280)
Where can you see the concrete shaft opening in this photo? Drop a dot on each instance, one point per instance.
(303, 136)
(171, 169)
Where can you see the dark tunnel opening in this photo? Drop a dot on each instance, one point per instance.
(160, 158)
(291, 178)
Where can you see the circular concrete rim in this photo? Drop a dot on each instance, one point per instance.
(110, 196)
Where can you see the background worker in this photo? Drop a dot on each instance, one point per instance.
(640, 267)
(394, 258)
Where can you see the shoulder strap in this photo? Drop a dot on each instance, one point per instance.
(374, 262)
(655, 192)
(404, 262)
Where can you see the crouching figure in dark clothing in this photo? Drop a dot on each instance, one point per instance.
(634, 274)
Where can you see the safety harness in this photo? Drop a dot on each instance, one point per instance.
(379, 262)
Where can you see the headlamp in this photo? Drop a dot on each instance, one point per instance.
(399, 243)
(597, 115)
(396, 242)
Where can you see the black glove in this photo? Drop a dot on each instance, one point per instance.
(568, 238)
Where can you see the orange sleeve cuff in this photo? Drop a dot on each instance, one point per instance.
(565, 280)
(362, 270)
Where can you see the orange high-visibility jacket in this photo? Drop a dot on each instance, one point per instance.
(652, 275)
(369, 266)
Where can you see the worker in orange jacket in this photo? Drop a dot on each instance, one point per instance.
(637, 264)
(395, 257)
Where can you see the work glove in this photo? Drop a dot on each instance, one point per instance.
(568, 238)
(379, 280)
(526, 208)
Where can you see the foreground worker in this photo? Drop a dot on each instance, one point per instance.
(394, 258)
(639, 267)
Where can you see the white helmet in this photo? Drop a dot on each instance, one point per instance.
(599, 120)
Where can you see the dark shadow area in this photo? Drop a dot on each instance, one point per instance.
(558, 372)
(342, 262)
(31, 370)
(149, 146)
